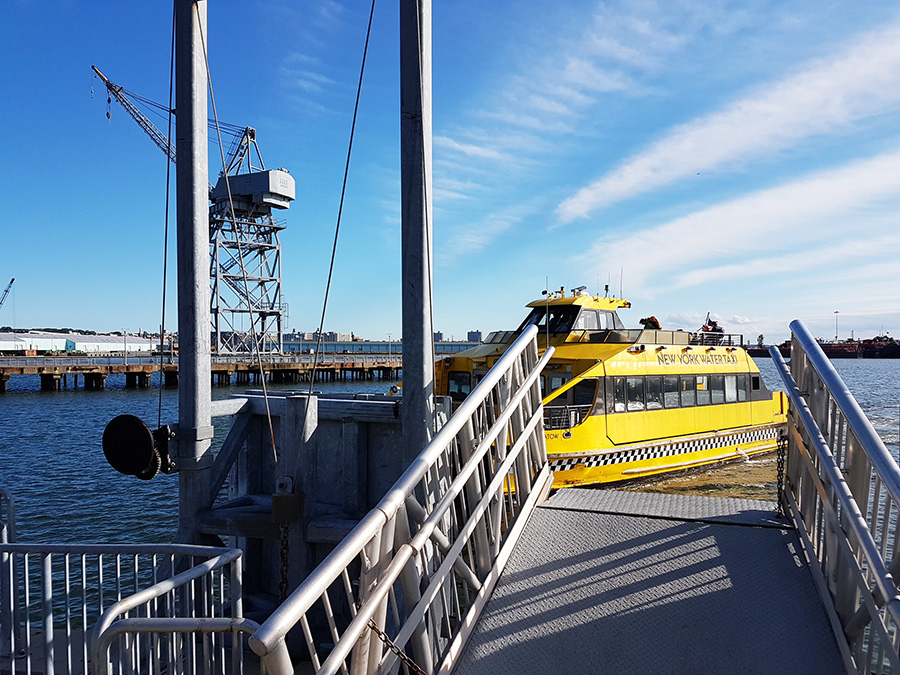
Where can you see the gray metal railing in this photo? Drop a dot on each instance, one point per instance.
(63, 595)
(844, 494)
(414, 574)
(7, 536)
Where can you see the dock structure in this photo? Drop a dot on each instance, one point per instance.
(468, 565)
(611, 581)
(55, 372)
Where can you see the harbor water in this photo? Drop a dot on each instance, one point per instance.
(52, 462)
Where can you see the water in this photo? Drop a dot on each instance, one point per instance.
(50, 456)
(64, 490)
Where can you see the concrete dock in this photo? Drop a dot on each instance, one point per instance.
(605, 581)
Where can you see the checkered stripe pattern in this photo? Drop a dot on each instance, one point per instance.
(639, 454)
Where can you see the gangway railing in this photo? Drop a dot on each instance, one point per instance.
(411, 578)
(58, 597)
(843, 491)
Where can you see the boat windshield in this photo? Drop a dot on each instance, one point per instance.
(560, 319)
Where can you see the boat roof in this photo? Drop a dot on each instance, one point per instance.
(591, 301)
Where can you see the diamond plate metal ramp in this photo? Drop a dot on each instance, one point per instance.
(587, 591)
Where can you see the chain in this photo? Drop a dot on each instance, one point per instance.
(782, 451)
(283, 583)
(410, 664)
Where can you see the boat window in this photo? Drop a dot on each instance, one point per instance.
(688, 397)
(619, 394)
(587, 320)
(635, 393)
(731, 395)
(611, 321)
(754, 382)
(717, 384)
(600, 398)
(670, 396)
(654, 392)
(543, 386)
(742, 380)
(561, 319)
(556, 381)
(584, 392)
(702, 390)
(460, 384)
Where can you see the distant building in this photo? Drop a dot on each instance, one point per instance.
(438, 336)
(108, 343)
(473, 336)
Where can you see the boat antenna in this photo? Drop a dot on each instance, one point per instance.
(547, 315)
(621, 282)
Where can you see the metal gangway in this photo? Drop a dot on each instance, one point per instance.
(438, 577)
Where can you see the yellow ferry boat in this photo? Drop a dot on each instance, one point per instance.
(624, 404)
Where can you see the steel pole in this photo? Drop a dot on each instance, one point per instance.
(415, 163)
(194, 421)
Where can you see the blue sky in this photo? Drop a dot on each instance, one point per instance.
(739, 158)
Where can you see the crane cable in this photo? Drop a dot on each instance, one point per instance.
(162, 322)
(253, 336)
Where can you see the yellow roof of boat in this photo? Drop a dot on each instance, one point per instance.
(592, 301)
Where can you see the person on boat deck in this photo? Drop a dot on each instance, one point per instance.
(650, 323)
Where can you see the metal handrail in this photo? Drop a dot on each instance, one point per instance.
(881, 458)
(60, 593)
(846, 523)
(120, 609)
(420, 534)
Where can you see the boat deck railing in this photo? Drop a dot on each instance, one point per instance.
(408, 582)
(843, 491)
(73, 608)
(565, 416)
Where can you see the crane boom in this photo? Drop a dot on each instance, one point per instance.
(6, 292)
(155, 134)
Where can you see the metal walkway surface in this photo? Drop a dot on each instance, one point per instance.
(605, 581)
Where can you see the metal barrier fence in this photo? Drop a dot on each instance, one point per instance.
(63, 595)
(410, 579)
(844, 495)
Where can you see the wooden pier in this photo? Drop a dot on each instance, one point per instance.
(57, 373)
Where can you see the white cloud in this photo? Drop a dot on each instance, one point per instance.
(745, 237)
(827, 97)
(469, 149)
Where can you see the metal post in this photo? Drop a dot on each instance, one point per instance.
(194, 421)
(415, 163)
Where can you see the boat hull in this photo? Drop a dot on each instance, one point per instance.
(641, 460)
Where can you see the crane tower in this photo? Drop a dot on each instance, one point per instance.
(245, 252)
(246, 303)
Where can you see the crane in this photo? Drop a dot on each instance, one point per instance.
(243, 234)
(120, 94)
(6, 292)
